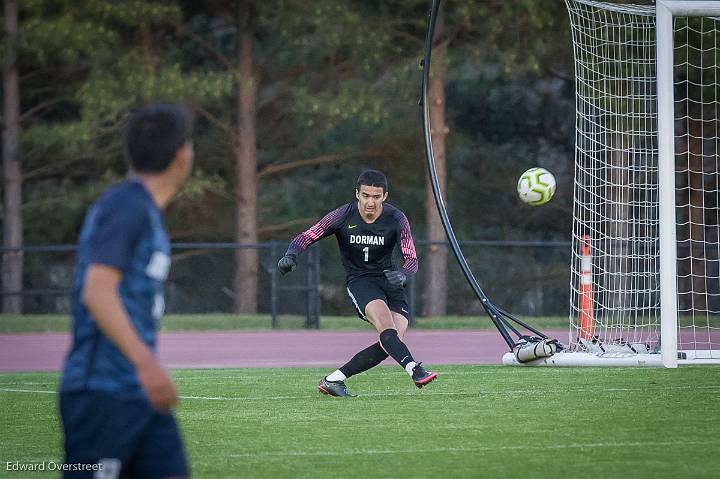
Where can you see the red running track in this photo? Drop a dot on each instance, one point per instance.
(267, 349)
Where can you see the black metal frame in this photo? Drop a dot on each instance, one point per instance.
(502, 320)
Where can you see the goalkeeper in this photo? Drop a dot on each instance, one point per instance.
(367, 232)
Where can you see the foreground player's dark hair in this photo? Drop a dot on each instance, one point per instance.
(372, 178)
(155, 133)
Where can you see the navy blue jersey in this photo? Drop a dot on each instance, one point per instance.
(123, 229)
(366, 248)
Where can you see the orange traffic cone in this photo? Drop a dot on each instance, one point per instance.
(587, 318)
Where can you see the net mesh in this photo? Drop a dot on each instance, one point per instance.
(615, 281)
(696, 179)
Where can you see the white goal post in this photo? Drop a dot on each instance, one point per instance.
(645, 283)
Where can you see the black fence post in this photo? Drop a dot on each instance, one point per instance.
(273, 285)
(40, 288)
(312, 319)
(317, 288)
(411, 300)
(308, 279)
(308, 291)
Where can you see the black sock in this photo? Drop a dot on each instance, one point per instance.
(395, 347)
(364, 360)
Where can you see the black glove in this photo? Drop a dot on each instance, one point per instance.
(287, 263)
(395, 278)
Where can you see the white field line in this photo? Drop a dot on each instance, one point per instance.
(262, 398)
(523, 447)
(250, 398)
(382, 371)
(252, 374)
(7, 390)
(518, 392)
(475, 450)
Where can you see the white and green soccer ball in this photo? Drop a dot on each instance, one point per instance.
(536, 186)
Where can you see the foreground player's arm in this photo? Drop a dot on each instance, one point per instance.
(102, 299)
(117, 232)
(325, 227)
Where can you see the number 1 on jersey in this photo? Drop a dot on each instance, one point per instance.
(366, 250)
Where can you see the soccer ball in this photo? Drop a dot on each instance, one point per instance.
(536, 186)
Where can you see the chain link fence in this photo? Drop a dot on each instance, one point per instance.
(527, 277)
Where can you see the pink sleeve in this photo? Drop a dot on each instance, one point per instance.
(407, 246)
(325, 227)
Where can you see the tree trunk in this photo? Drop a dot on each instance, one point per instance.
(435, 303)
(12, 262)
(246, 259)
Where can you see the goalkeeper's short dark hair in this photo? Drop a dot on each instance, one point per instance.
(372, 178)
(155, 133)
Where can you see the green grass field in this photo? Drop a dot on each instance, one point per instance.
(474, 421)
(43, 323)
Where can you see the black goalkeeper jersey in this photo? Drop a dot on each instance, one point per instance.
(366, 248)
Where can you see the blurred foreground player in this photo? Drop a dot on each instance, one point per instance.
(115, 398)
(367, 232)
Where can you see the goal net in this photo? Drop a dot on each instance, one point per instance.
(645, 283)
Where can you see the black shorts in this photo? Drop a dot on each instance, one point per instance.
(366, 289)
(128, 438)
